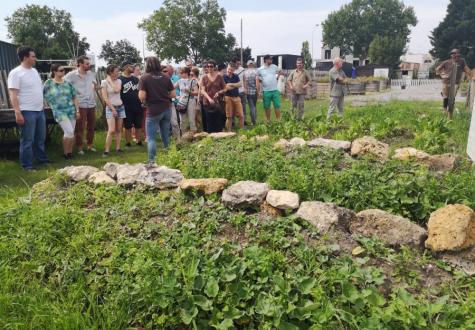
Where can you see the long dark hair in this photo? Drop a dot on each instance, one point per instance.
(152, 65)
(54, 67)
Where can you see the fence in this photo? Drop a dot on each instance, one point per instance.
(399, 83)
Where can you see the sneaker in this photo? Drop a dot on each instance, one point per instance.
(128, 145)
(65, 156)
(140, 143)
(29, 169)
(91, 149)
(81, 152)
(70, 156)
(105, 154)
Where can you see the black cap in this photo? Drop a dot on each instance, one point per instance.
(267, 57)
(454, 51)
(125, 63)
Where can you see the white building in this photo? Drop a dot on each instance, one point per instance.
(421, 64)
(331, 53)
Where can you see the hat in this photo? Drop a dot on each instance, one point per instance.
(125, 63)
(250, 62)
(454, 51)
(267, 57)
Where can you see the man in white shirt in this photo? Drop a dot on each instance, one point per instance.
(26, 94)
(267, 77)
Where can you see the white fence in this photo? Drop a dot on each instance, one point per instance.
(398, 83)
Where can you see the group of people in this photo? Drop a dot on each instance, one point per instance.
(155, 102)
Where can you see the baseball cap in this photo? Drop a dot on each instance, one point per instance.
(250, 62)
(454, 51)
(125, 63)
(267, 57)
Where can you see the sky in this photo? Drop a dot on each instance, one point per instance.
(275, 27)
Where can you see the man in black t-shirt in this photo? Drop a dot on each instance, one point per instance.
(129, 94)
(233, 101)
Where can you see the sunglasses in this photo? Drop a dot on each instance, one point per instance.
(210, 66)
(60, 70)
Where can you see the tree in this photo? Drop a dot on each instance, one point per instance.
(122, 50)
(457, 30)
(246, 54)
(387, 50)
(194, 29)
(354, 26)
(48, 30)
(306, 55)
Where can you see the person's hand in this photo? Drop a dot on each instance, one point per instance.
(78, 115)
(211, 101)
(20, 120)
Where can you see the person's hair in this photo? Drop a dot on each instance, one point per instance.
(232, 65)
(235, 60)
(137, 66)
(81, 59)
(23, 52)
(111, 68)
(299, 59)
(211, 62)
(267, 57)
(186, 70)
(195, 71)
(221, 66)
(54, 67)
(152, 65)
(337, 60)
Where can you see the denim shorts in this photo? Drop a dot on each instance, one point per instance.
(120, 112)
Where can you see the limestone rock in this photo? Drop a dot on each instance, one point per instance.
(328, 143)
(297, 142)
(111, 169)
(160, 177)
(393, 230)
(127, 175)
(245, 194)
(78, 173)
(443, 163)
(200, 136)
(101, 178)
(282, 144)
(410, 153)
(270, 211)
(283, 200)
(222, 135)
(286, 145)
(326, 216)
(261, 138)
(205, 186)
(464, 260)
(451, 228)
(369, 145)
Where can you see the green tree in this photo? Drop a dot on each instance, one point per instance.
(122, 50)
(48, 30)
(457, 30)
(194, 29)
(306, 55)
(387, 50)
(354, 26)
(246, 54)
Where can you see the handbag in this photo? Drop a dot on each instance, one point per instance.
(181, 106)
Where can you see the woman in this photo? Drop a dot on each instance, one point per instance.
(115, 111)
(60, 95)
(195, 73)
(156, 89)
(213, 87)
(186, 105)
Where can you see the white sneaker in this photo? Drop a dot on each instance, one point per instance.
(92, 149)
(81, 152)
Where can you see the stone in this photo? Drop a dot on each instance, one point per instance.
(282, 144)
(443, 163)
(297, 142)
(451, 228)
(127, 174)
(111, 169)
(160, 177)
(187, 137)
(283, 200)
(78, 173)
(222, 135)
(286, 145)
(245, 194)
(101, 178)
(270, 211)
(326, 216)
(205, 186)
(261, 138)
(369, 145)
(464, 260)
(328, 143)
(391, 229)
(200, 136)
(410, 153)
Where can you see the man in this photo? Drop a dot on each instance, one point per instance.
(338, 88)
(189, 64)
(84, 82)
(240, 73)
(129, 93)
(26, 94)
(232, 98)
(267, 76)
(451, 73)
(250, 89)
(298, 82)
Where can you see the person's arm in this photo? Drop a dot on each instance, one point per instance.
(105, 96)
(468, 72)
(76, 105)
(244, 85)
(289, 80)
(13, 92)
(142, 96)
(195, 88)
(309, 80)
(258, 84)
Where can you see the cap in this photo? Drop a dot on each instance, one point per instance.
(125, 63)
(267, 57)
(250, 62)
(454, 51)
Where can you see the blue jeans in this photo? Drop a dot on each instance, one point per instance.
(32, 138)
(252, 101)
(158, 123)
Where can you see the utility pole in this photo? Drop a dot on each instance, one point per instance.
(143, 47)
(241, 45)
(313, 30)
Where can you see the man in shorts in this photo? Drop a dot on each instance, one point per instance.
(232, 98)
(267, 76)
(129, 94)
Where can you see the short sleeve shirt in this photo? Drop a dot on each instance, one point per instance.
(158, 88)
(60, 98)
(298, 80)
(240, 72)
(129, 93)
(336, 89)
(232, 80)
(84, 86)
(113, 94)
(212, 87)
(447, 67)
(29, 86)
(267, 75)
(250, 78)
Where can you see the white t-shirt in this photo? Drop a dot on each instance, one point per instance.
(240, 72)
(30, 88)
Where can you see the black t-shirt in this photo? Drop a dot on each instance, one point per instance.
(232, 80)
(158, 88)
(129, 93)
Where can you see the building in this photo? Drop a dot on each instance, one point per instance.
(331, 53)
(416, 66)
(8, 56)
(283, 61)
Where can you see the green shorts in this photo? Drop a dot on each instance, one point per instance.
(271, 96)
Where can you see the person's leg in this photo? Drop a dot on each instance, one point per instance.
(40, 137)
(340, 106)
(238, 111)
(118, 132)
(27, 135)
(67, 127)
(151, 124)
(252, 108)
(110, 133)
(333, 106)
(229, 112)
(71, 136)
(138, 120)
(242, 96)
(277, 104)
(79, 129)
(191, 115)
(204, 118)
(266, 99)
(164, 123)
(198, 117)
(91, 123)
(294, 98)
(128, 124)
(175, 123)
(144, 126)
(300, 106)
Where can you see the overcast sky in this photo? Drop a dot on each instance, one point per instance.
(277, 27)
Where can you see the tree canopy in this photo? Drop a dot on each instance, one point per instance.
(387, 50)
(306, 55)
(246, 54)
(355, 25)
(120, 51)
(48, 30)
(457, 30)
(194, 29)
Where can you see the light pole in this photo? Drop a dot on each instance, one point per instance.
(313, 30)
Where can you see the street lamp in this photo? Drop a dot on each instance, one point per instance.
(313, 30)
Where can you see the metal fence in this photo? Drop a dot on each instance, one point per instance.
(404, 83)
